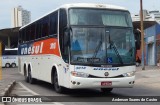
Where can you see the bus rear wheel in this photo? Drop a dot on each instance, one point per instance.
(106, 90)
(13, 65)
(7, 65)
(25, 74)
(30, 78)
(58, 89)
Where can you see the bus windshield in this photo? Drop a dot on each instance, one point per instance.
(112, 43)
(99, 17)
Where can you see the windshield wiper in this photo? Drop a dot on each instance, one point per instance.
(97, 48)
(115, 49)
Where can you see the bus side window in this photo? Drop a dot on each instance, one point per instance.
(23, 36)
(20, 37)
(33, 29)
(38, 29)
(62, 30)
(53, 24)
(45, 26)
(28, 33)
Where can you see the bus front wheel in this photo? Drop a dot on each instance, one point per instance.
(106, 90)
(58, 89)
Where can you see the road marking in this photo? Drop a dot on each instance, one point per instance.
(29, 90)
(34, 93)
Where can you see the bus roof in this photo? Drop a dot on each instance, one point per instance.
(92, 5)
(81, 5)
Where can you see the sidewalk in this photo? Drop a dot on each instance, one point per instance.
(147, 68)
(6, 83)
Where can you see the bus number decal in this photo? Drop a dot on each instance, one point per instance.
(53, 46)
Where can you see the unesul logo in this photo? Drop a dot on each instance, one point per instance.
(32, 49)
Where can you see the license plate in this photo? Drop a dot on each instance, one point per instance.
(107, 83)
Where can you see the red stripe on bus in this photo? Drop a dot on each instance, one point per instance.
(48, 46)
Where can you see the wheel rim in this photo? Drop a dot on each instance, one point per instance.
(13, 65)
(7, 65)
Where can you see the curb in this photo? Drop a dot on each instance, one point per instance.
(7, 91)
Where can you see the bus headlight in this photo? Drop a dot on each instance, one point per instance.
(130, 74)
(79, 74)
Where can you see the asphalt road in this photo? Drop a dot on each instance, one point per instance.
(147, 84)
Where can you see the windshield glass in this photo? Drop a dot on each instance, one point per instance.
(93, 45)
(101, 37)
(120, 45)
(88, 45)
(99, 17)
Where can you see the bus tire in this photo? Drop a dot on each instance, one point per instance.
(30, 78)
(25, 74)
(106, 90)
(7, 65)
(13, 65)
(58, 89)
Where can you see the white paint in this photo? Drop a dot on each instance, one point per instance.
(29, 90)
(34, 93)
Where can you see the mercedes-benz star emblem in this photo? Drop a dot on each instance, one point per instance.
(106, 74)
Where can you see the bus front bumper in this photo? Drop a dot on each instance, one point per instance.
(80, 82)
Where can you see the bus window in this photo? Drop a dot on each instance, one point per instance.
(38, 29)
(53, 23)
(32, 34)
(28, 33)
(45, 26)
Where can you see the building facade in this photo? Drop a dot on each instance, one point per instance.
(147, 16)
(152, 44)
(20, 17)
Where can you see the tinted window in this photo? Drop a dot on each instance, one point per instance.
(38, 29)
(23, 35)
(63, 20)
(45, 26)
(32, 34)
(20, 36)
(53, 23)
(28, 33)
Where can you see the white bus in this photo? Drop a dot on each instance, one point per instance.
(10, 58)
(80, 46)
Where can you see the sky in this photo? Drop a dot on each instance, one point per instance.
(41, 7)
